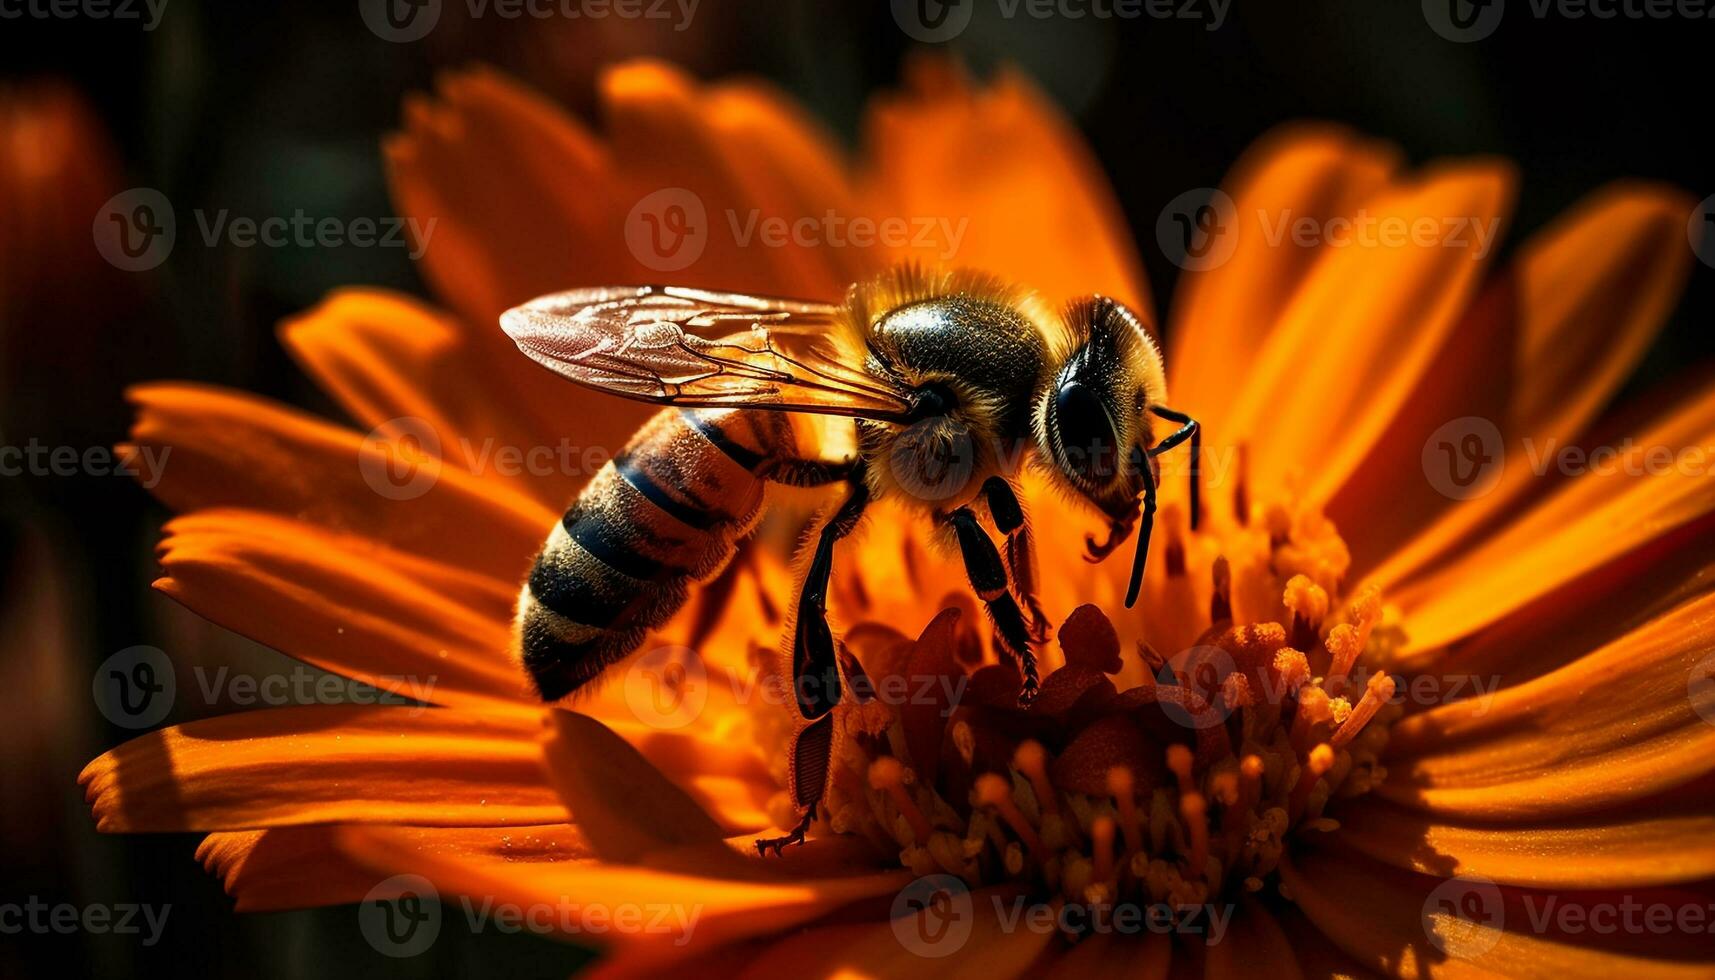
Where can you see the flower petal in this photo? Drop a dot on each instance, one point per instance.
(1010, 182)
(698, 912)
(1655, 842)
(403, 624)
(1591, 521)
(1364, 326)
(386, 357)
(1222, 316)
(326, 764)
(1253, 946)
(1615, 726)
(1384, 918)
(303, 867)
(223, 448)
(626, 808)
(1109, 955)
(1540, 353)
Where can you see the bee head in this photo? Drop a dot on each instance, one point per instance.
(1091, 417)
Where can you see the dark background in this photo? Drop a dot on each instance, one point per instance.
(262, 108)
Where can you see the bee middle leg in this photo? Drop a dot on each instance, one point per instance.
(1010, 520)
(989, 580)
(816, 685)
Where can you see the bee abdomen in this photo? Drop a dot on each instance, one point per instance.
(665, 513)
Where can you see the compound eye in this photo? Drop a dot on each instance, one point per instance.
(1088, 444)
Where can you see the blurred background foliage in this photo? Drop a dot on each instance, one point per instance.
(265, 108)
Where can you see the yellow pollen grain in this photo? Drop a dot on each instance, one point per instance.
(1376, 694)
(1307, 600)
(1292, 667)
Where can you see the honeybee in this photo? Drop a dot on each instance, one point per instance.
(952, 381)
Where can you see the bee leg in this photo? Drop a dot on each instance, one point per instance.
(1188, 429)
(1010, 520)
(988, 578)
(815, 668)
(1145, 525)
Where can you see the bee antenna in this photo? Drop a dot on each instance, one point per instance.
(1146, 525)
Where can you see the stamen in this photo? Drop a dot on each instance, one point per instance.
(1122, 786)
(1032, 760)
(1343, 649)
(890, 776)
(1314, 713)
(1179, 761)
(1102, 833)
(993, 790)
(1241, 487)
(1221, 599)
(1309, 604)
(1315, 767)
(1195, 812)
(1376, 693)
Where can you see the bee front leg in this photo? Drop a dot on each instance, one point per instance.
(1010, 520)
(988, 579)
(815, 670)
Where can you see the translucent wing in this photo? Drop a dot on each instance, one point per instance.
(689, 347)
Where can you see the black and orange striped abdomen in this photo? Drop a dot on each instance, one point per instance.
(664, 514)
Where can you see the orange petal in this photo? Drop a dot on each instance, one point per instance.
(1543, 349)
(1253, 946)
(402, 624)
(222, 448)
(1614, 726)
(904, 948)
(1007, 180)
(301, 867)
(519, 192)
(626, 808)
(1655, 842)
(1592, 520)
(385, 357)
(696, 912)
(325, 764)
(1222, 316)
(1360, 332)
(1390, 921)
(1107, 955)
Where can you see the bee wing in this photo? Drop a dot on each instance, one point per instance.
(690, 347)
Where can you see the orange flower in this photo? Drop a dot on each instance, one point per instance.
(1270, 769)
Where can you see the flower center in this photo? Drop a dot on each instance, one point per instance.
(1142, 778)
